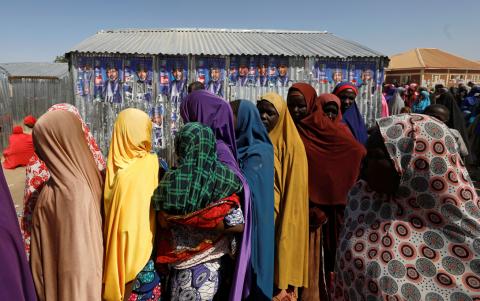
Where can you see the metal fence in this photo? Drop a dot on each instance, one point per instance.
(20, 97)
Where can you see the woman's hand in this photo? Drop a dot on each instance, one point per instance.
(162, 219)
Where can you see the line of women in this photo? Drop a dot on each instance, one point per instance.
(253, 208)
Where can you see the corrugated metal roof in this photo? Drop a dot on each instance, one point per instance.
(430, 58)
(38, 70)
(184, 41)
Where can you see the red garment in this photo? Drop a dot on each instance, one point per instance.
(204, 219)
(19, 150)
(334, 155)
(29, 121)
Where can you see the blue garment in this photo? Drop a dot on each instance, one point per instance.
(255, 155)
(421, 105)
(354, 120)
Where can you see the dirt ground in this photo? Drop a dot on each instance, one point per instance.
(16, 184)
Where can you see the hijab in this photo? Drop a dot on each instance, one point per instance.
(16, 277)
(255, 156)
(132, 176)
(352, 116)
(199, 179)
(37, 174)
(291, 199)
(19, 150)
(334, 156)
(421, 242)
(397, 103)
(420, 105)
(214, 112)
(456, 120)
(67, 244)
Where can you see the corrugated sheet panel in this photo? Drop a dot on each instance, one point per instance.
(37, 70)
(222, 42)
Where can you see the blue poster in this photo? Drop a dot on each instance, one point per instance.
(272, 71)
(108, 85)
(137, 80)
(262, 72)
(157, 115)
(319, 72)
(84, 77)
(283, 79)
(336, 72)
(211, 72)
(362, 73)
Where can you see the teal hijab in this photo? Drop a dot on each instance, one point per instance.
(255, 156)
(420, 105)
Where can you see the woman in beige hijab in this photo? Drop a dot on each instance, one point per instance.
(67, 245)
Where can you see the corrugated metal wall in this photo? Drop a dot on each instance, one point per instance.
(20, 97)
(100, 115)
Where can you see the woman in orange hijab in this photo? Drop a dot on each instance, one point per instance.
(334, 158)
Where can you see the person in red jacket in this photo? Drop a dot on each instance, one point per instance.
(20, 149)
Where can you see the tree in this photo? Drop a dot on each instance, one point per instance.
(60, 59)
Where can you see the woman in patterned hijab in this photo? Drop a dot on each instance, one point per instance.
(411, 227)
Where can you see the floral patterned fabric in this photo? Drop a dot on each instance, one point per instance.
(37, 174)
(147, 285)
(424, 242)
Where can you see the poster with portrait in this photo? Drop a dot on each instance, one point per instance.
(108, 86)
(242, 71)
(262, 72)
(85, 76)
(157, 115)
(319, 72)
(362, 73)
(211, 72)
(283, 79)
(137, 79)
(336, 72)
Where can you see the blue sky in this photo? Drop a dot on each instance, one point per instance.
(33, 30)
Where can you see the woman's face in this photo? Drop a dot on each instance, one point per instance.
(297, 106)
(331, 110)
(379, 170)
(268, 114)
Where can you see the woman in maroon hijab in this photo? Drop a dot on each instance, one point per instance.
(334, 158)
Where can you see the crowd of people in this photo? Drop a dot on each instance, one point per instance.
(275, 200)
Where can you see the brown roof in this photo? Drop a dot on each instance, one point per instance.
(430, 58)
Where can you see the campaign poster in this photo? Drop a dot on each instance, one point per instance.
(319, 72)
(108, 85)
(362, 73)
(233, 71)
(211, 72)
(178, 75)
(272, 71)
(283, 79)
(137, 79)
(242, 71)
(336, 72)
(84, 77)
(157, 115)
(163, 77)
(262, 72)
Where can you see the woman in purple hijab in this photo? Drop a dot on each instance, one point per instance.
(16, 281)
(214, 112)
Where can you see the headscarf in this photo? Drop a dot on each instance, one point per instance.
(199, 179)
(352, 116)
(423, 242)
(67, 244)
(420, 105)
(29, 121)
(397, 103)
(385, 112)
(17, 282)
(291, 199)
(37, 174)
(214, 112)
(132, 176)
(456, 120)
(255, 156)
(19, 149)
(334, 156)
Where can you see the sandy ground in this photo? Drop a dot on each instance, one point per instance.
(16, 184)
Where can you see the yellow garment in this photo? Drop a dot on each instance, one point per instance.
(132, 176)
(291, 199)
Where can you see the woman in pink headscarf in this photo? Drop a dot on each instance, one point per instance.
(37, 175)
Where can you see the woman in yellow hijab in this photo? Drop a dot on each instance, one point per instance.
(132, 176)
(291, 197)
